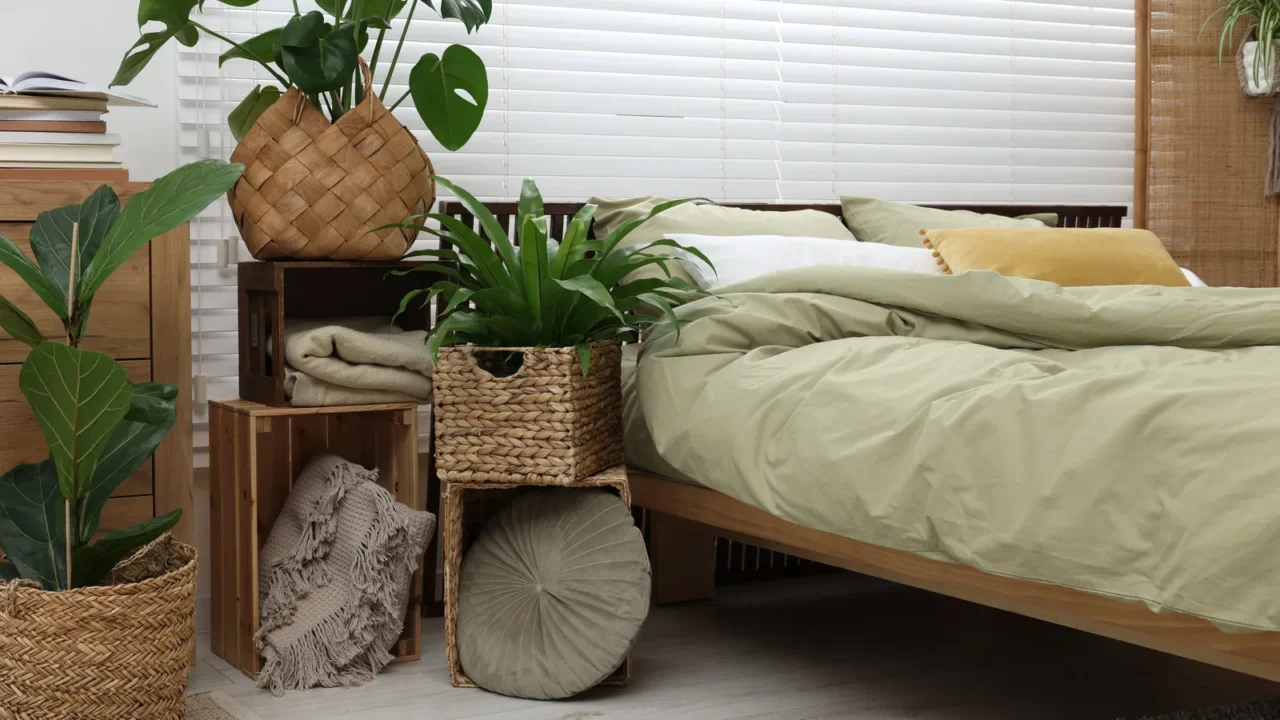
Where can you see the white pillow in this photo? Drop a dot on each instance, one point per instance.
(743, 257)
(1194, 279)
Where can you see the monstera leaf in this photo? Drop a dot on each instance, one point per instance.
(78, 397)
(170, 201)
(317, 56)
(150, 416)
(242, 119)
(51, 235)
(472, 13)
(175, 15)
(32, 521)
(262, 48)
(438, 85)
(367, 8)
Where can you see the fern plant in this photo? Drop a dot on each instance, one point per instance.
(540, 293)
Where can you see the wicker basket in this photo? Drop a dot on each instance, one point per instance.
(1251, 83)
(546, 424)
(467, 507)
(312, 189)
(115, 651)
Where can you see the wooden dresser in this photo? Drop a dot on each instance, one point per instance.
(141, 316)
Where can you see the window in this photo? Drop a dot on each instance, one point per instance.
(974, 101)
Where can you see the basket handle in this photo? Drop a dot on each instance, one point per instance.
(9, 606)
(367, 74)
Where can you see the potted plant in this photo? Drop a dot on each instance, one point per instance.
(527, 381)
(326, 161)
(1256, 58)
(63, 618)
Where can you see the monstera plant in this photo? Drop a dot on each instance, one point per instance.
(318, 52)
(100, 427)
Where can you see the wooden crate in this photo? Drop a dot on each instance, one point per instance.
(255, 453)
(272, 292)
(467, 507)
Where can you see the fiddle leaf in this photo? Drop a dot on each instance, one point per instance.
(78, 397)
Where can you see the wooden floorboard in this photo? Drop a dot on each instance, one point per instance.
(837, 646)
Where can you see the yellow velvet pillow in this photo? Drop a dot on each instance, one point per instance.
(1066, 256)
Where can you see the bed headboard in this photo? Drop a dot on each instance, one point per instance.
(1072, 216)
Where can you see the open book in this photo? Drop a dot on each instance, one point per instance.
(38, 82)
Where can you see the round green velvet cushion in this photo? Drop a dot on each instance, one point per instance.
(552, 594)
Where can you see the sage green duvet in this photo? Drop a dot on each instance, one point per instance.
(1120, 440)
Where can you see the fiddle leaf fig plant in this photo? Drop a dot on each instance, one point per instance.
(539, 292)
(318, 52)
(99, 426)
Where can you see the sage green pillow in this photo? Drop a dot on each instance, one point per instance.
(552, 594)
(894, 223)
(709, 219)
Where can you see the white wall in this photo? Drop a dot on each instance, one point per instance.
(85, 39)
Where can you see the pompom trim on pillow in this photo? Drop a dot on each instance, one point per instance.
(924, 235)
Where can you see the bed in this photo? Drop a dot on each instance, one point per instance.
(687, 515)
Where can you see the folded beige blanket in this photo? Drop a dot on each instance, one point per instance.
(357, 360)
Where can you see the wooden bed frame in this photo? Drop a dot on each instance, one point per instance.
(685, 520)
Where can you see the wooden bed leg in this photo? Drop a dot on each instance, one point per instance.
(683, 556)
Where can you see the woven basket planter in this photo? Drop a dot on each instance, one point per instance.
(546, 424)
(316, 190)
(1253, 83)
(115, 651)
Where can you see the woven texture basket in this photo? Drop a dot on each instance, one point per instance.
(312, 189)
(115, 651)
(547, 424)
(467, 507)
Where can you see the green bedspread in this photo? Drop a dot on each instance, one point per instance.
(1120, 440)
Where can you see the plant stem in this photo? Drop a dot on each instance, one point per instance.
(73, 342)
(355, 76)
(233, 43)
(377, 50)
(69, 531)
(395, 57)
(402, 97)
(296, 12)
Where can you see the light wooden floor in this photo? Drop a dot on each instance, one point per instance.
(823, 648)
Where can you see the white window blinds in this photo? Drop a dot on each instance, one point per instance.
(978, 101)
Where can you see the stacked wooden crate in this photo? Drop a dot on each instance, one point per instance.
(259, 443)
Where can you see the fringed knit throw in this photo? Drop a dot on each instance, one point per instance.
(334, 578)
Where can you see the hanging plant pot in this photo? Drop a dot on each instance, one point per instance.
(317, 190)
(1258, 79)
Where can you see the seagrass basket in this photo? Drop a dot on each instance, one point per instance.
(113, 651)
(316, 190)
(466, 508)
(545, 423)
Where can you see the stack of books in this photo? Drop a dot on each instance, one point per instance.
(54, 128)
